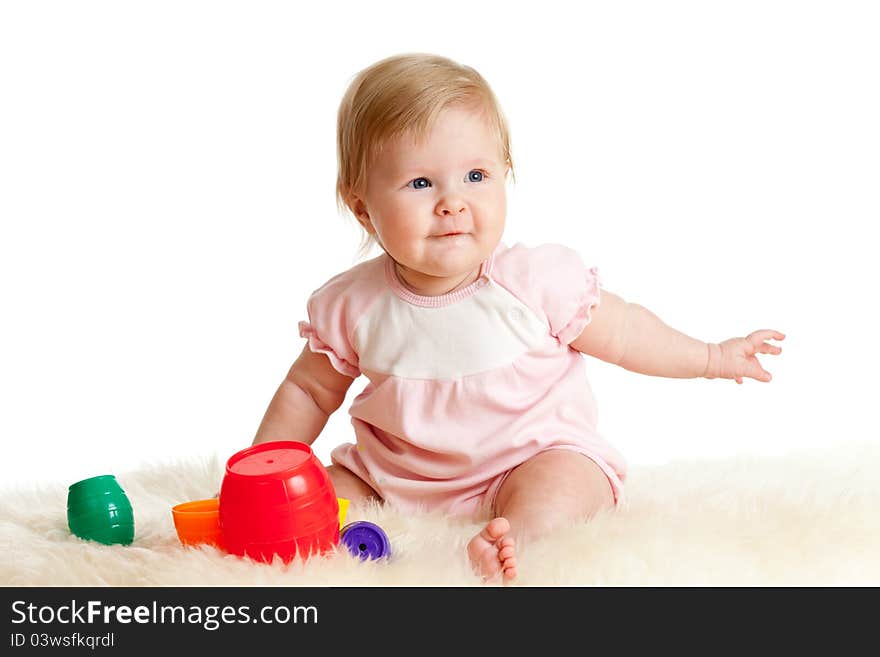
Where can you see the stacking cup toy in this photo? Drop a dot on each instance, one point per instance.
(366, 540)
(343, 510)
(99, 510)
(198, 522)
(277, 498)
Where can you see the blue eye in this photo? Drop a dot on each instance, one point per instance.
(419, 183)
(475, 176)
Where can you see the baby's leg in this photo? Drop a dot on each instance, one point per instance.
(552, 489)
(348, 485)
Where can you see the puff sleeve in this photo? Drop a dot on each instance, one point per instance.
(571, 314)
(328, 329)
(554, 282)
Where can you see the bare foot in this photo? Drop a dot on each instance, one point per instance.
(492, 552)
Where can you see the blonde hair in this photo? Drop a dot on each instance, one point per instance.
(404, 94)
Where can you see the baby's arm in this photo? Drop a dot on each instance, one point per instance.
(312, 390)
(633, 337)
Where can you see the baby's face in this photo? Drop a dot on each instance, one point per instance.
(438, 208)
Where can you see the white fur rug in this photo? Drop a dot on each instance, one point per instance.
(810, 518)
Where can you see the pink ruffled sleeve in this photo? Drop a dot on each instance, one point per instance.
(571, 316)
(329, 328)
(554, 282)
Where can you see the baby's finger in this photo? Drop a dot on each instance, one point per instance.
(765, 348)
(756, 372)
(752, 369)
(756, 337)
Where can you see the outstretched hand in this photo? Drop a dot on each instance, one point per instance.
(735, 358)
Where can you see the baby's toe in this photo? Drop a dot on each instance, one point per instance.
(495, 529)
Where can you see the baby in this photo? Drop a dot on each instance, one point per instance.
(477, 401)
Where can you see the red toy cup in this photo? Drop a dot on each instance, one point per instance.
(277, 498)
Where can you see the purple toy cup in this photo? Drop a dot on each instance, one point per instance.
(365, 540)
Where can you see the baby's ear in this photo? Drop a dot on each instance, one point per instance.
(359, 210)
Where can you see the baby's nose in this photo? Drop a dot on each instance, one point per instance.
(452, 206)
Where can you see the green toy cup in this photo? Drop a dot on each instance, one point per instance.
(98, 510)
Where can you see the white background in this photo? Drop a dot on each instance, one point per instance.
(167, 176)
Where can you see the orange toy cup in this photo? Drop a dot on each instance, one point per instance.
(198, 522)
(277, 498)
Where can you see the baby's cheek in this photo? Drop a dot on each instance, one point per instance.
(407, 229)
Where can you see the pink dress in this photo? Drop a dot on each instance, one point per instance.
(465, 386)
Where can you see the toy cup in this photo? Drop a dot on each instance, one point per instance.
(365, 540)
(99, 510)
(277, 498)
(198, 522)
(343, 510)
